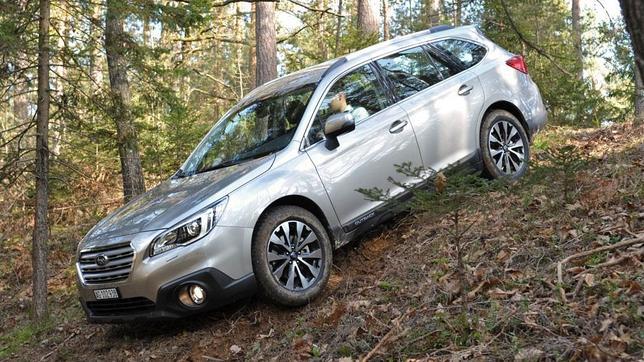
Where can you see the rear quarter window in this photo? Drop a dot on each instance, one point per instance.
(468, 54)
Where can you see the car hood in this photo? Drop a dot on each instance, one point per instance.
(176, 199)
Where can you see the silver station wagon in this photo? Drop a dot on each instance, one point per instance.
(270, 191)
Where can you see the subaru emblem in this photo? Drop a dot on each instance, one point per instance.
(102, 259)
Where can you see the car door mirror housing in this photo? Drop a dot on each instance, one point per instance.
(336, 125)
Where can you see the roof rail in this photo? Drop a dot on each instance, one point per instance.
(335, 64)
(436, 29)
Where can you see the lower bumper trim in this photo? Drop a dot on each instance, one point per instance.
(220, 290)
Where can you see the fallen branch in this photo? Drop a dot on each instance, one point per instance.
(637, 240)
(393, 334)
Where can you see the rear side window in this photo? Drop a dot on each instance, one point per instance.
(410, 71)
(467, 53)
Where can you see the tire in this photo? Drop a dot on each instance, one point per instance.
(502, 156)
(291, 278)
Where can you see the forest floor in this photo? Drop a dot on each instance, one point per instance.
(399, 292)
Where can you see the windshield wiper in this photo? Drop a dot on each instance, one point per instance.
(235, 162)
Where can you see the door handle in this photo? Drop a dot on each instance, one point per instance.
(465, 90)
(397, 126)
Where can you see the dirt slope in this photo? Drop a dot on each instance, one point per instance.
(399, 293)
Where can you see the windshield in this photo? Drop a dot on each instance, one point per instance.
(258, 128)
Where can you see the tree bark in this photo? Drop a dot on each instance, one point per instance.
(115, 45)
(266, 39)
(252, 58)
(41, 227)
(338, 30)
(633, 11)
(432, 10)
(367, 19)
(385, 20)
(639, 97)
(576, 36)
(458, 14)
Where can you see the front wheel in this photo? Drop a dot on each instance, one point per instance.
(504, 144)
(292, 256)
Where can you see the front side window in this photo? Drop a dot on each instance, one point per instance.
(259, 128)
(358, 93)
(466, 53)
(410, 71)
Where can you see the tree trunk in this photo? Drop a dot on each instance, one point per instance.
(95, 68)
(266, 39)
(633, 11)
(458, 14)
(385, 19)
(338, 30)
(639, 97)
(115, 46)
(576, 37)
(252, 58)
(41, 227)
(432, 10)
(321, 31)
(367, 19)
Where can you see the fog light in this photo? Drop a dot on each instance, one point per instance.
(192, 295)
(197, 294)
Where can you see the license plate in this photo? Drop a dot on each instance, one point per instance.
(110, 293)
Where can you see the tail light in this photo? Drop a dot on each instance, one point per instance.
(518, 62)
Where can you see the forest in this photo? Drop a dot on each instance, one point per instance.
(101, 100)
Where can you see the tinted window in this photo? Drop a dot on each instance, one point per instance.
(358, 93)
(410, 71)
(467, 53)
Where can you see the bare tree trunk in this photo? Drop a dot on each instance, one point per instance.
(432, 12)
(639, 97)
(458, 14)
(21, 101)
(367, 19)
(41, 227)
(266, 42)
(95, 68)
(633, 11)
(576, 36)
(385, 19)
(338, 30)
(321, 31)
(252, 57)
(115, 46)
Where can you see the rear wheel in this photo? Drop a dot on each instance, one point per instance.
(292, 256)
(504, 145)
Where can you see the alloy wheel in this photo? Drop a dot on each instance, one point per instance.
(506, 147)
(294, 255)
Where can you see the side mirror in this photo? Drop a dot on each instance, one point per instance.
(336, 125)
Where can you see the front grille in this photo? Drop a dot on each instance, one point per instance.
(119, 263)
(120, 306)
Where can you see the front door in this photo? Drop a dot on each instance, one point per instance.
(366, 157)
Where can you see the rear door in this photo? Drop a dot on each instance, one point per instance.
(366, 156)
(442, 100)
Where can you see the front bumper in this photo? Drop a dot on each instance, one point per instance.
(220, 290)
(220, 262)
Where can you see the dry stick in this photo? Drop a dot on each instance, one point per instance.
(637, 240)
(390, 335)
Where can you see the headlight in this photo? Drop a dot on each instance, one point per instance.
(190, 230)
